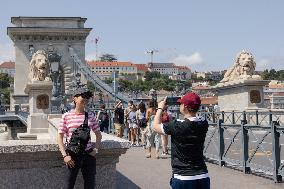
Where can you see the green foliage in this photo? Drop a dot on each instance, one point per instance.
(273, 74)
(152, 80)
(5, 82)
(91, 86)
(108, 58)
(108, 80)
(151, 75)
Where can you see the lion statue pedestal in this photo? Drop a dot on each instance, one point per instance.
(240, 89)
(39, 90)
(39, 103)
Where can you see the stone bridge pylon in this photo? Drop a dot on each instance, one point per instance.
(30, 34)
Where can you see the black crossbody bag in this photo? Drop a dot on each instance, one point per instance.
(79, 139)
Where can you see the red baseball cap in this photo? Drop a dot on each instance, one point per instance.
(191, 100)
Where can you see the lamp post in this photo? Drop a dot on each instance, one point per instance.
(57, 97)
(101, 101)
(2, 107)
(115, 74)
(78, 80)
(107, 100)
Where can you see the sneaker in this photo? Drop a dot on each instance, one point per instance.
(148, 155)
(137, 144)
(132, 144)
(164, 154)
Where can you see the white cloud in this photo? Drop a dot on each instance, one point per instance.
(7, 52)
(188, 60)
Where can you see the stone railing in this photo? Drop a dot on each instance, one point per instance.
(38, 163)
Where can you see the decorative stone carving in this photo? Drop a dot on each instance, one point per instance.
(42, 101)
(39, 67)
(255, 96)
(243, 68)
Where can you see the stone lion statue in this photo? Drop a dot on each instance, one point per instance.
(243, 68)
(39, 67)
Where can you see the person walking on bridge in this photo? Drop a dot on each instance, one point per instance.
(189, 170)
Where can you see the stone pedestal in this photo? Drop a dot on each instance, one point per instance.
(39, 104)
(241, 95)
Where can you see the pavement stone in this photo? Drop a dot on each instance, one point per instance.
(135, 171)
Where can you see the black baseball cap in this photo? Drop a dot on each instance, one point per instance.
(84, 92)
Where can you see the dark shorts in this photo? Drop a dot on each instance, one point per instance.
(190, 184)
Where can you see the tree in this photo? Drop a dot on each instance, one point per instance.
(150, 75)
(5, 82)
(108, 58)
(108, 80)
(273, 74)
(91, 86)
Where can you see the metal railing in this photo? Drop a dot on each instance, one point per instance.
(248, 147)
(23, 116)
(252, 117)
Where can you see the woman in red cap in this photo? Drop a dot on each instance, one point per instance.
(187, 141)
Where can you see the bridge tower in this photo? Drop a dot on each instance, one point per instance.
(30, 34)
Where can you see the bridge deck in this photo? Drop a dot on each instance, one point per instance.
(135, 171)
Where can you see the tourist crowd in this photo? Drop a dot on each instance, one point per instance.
(135, 122)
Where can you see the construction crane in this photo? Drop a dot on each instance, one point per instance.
(163, 50)
(151, 52)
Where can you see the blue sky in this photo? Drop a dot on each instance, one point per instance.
(204, 35)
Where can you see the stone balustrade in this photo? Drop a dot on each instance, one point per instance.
(38, 163)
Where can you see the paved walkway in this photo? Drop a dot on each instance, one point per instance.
(135, 171)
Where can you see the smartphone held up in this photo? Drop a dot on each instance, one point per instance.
(173, 101)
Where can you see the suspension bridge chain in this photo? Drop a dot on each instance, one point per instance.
(96, 80)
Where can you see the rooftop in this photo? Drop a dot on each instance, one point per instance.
(182, 67)
(8, 65)
(110, 64)
(161, 65)
(141, 67)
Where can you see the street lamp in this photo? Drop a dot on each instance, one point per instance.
(56, 98)
(101, 101)
(2, 108)
(31, 50)
(78, 80)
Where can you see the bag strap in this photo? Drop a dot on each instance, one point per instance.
(86, 119)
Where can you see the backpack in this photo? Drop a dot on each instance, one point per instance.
(103, 117)
(165, 117)
(79, 139)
